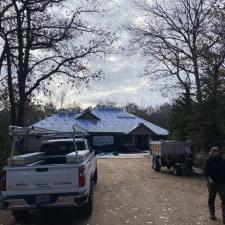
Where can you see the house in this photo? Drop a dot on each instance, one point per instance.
(110, 128)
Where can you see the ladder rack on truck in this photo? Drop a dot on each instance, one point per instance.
(18, 133)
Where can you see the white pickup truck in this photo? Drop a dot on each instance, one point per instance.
(60, 175)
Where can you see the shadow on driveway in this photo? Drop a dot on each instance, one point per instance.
(63, 216)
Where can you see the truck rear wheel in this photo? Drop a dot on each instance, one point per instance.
(157, 164)
(87, 209)
(95, 177)
(20, 215)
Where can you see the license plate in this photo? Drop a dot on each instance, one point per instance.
(42, 199)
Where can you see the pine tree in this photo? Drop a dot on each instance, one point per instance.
(180, 117)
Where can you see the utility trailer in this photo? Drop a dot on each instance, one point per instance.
(175, 155)
(62, 174)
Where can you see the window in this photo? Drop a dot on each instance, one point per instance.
(61, 148)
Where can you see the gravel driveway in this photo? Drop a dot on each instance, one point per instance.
(130, 192)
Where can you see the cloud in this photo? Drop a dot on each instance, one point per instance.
(122, 81)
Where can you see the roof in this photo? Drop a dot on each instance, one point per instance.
(110, 120)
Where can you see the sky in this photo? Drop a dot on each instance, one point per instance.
(122, 82)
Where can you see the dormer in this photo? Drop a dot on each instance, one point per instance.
(87, 115)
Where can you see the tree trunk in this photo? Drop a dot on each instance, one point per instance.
(10, 87)
(196, 74)
(21, 112)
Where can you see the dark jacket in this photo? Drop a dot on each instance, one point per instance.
(215, 168)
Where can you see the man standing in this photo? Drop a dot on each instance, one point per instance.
(214, 170)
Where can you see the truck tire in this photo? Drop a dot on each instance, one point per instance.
(87, 209)
(20, 215)
(95, 177)
(157, 164)
(177, 171)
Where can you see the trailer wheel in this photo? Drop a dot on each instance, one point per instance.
(189, 171)
(20, 215)
(169, 167)
(153, 162)
(177, 171)
(86, 210)
(157, 164)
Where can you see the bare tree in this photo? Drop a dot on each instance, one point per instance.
(174, 35)
(43, 41)
(213, 54)
(107, 103)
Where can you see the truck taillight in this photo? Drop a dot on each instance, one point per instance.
(3, 182)
(82, 176)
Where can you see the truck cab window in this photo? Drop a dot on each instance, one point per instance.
(61, 148)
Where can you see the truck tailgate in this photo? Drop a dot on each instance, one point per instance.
(42, 180)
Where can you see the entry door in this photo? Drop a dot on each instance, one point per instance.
(142, 142)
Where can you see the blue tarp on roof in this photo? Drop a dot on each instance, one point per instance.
(112, 120)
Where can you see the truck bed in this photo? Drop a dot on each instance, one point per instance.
(41, 158)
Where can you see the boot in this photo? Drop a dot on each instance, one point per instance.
(212, 217)
(223, 212)
(212, 211)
